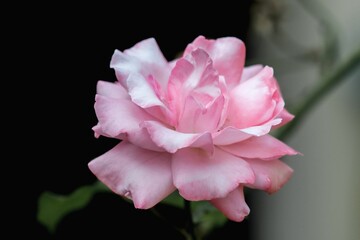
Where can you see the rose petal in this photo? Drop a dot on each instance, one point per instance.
(225, 95)
(203, 111)
(172, 140)
(141, 175)
(120, 118)
(199, 176)
(141, 91)
(250, 72)
(229, 135)
(145, 95)
(285, 117)
(142, 138)
(144, 58)
(265, 147)
(194, 72)
(253, 102)
(277, 97)
(228, 54)
(198, 118)
(270, 175)
(111, 90)
(233, 206)
(262, 129)
(118, 115)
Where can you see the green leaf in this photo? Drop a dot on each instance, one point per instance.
(206, 218)
(53, 207)
(174, 200)
(210, 221)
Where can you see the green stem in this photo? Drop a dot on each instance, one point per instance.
(323, 87)
(189, 219)
(167, 223)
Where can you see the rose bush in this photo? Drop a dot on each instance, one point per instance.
(199, 124)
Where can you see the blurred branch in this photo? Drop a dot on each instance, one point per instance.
(270, 13)
(330, 51)
(323, 87)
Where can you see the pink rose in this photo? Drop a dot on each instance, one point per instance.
(198, 124)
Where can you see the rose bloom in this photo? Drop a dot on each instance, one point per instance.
(199, 124)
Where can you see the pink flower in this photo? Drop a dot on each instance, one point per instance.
(198, 124)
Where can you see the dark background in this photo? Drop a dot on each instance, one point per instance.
(69, 51)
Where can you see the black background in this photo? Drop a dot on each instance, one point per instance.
(69, 50)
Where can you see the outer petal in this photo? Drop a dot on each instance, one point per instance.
(144, 58)
(262, 129)
(253, 102)
(230, 135)
(277, 97)
(118, 115)
(111, 90)
(285, 117)
(233, 206)
(141, 175)
(120, 118)
(265, 147)
(199, 176)
(172, 140)
(270, 175)
(228, 54)
(250, 72)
